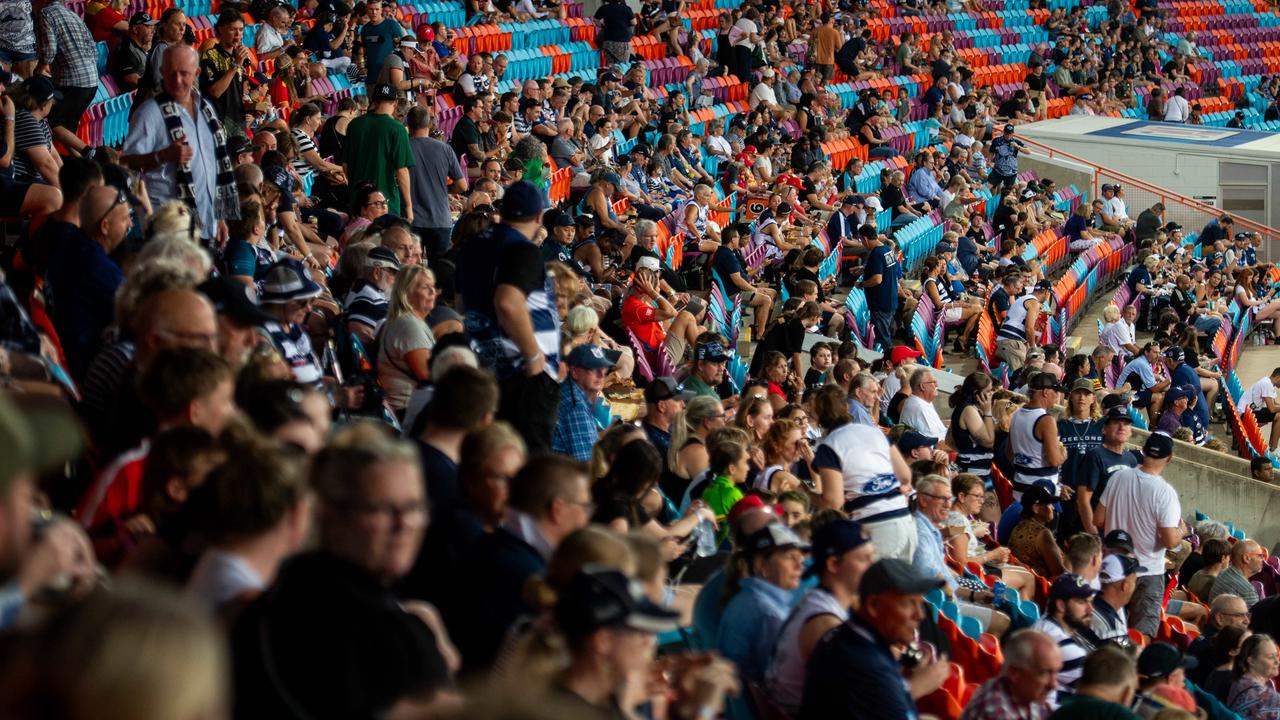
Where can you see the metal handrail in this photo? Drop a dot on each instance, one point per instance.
(1166, 196)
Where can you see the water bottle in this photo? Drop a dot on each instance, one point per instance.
(706, 532)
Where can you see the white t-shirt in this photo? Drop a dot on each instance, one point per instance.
(920, 415)
(1116, 335)
(762, 94)
(1140, 503)
(861, 454)
(1254, 395)
(1177, 109)
(1115, 208)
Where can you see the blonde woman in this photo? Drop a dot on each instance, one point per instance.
(404, 348)
(687, 455)
(583, 326)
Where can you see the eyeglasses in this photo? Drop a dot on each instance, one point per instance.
(121, 199)
(376, 203)
(415, 511)
(977, 496)
(587, 506)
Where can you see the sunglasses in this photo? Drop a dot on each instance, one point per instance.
(121, 199)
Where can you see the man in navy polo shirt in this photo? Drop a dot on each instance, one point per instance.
(853, 671)
(880, 281)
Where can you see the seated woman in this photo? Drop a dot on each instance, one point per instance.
(967, 531)
(406, 341)
(1252, 695)
(1032, 541)
(961, 312)
(787, 456)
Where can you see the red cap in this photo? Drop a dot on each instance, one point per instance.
(747, 504)
(426, 34)
(902, 352)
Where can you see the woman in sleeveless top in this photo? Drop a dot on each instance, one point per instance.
(687, 454)
(973, 429)
(1031, 541)
(785, 449)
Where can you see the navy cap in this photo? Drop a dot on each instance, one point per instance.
(1038, 494)
(1008, 128)
(1119, 413)
(1175, 394)
(1069, 585)
(1158, 446)
(833, 540)
(41, 89)
(593, 357)
(666, 388)
(384, 92)
(381, 257)
(238, 145)
(892, 575)
(522, 200)
(141, 18)
(1116, 568)
(712, 352)
(230, 298)
(1160, 659)
(1175, 353)
(854, 200)
(912, 440)
(1118, 540)
(604, 598)
(562, 219)
(279, 177)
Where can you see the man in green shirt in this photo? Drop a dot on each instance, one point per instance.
(377, 151)
(1105, 690)
(709, 362)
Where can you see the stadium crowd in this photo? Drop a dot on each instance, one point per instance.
(433, 400)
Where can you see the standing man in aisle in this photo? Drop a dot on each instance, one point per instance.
(1141, 503)
(880, 277)
(377, 151)
(222, 69)
(378, 38)
(178, 144)
(436, 174)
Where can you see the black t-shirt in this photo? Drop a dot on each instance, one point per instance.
(726, 262)
(786, 338)
(807, 274)
(892, 198)
(1009, 108)
(331, 641)
(1036, 82)
(465, 133)
(1004, 218)
(330, 142)
(230, 104)
(615, 19)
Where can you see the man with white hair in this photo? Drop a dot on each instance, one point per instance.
(177, 142)
(918, 411)
(274, 37)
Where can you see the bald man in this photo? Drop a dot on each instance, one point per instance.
(185, 152)
(172, 318)
(82, 279)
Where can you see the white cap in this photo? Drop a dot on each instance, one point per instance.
(648, 262)
(873, 202)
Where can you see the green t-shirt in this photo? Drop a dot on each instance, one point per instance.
(376, 147)
(695, 385)
(1082, 707)
(721, 495)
